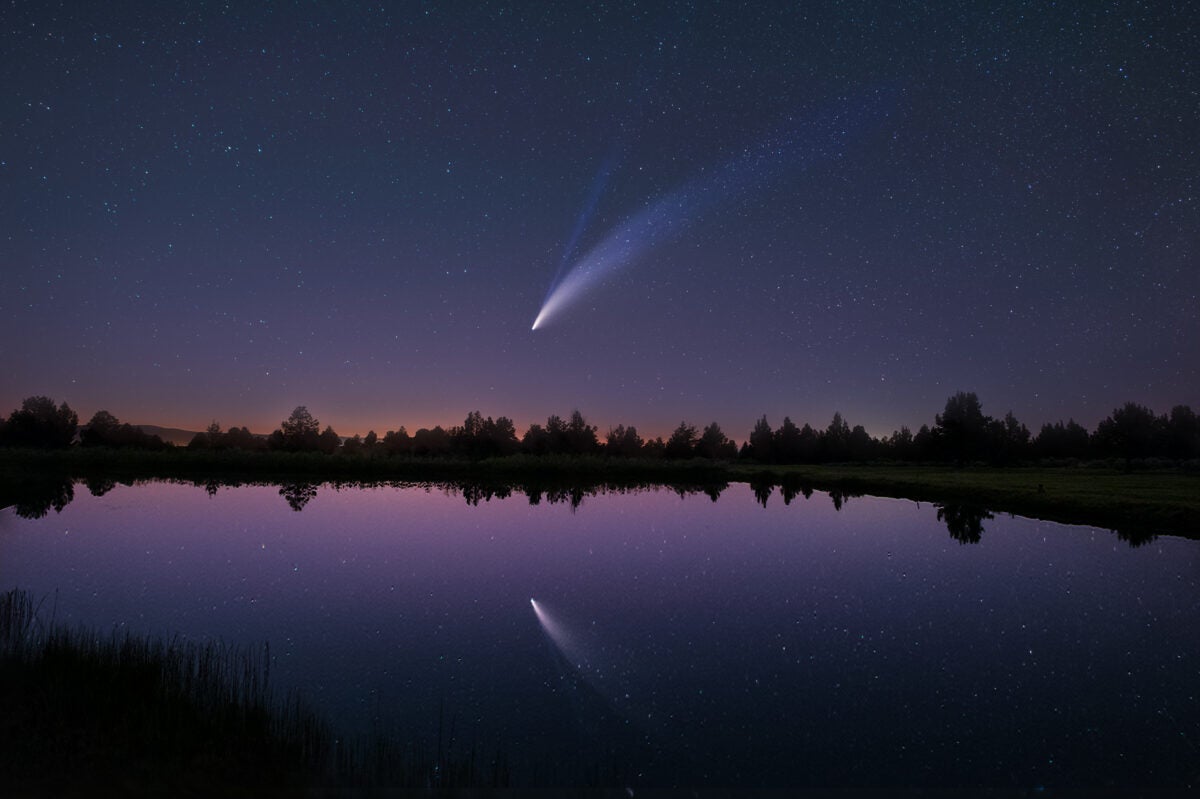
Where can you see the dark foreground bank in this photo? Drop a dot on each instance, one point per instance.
(86, 714)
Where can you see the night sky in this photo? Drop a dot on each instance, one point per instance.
(222, 211)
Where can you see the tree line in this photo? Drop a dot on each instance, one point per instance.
(961, 434)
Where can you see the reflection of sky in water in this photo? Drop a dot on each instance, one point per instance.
(787, 645)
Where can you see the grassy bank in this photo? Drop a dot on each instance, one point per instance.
(1141, 502)
(1144, 500)
(82, 463)
(124, 714)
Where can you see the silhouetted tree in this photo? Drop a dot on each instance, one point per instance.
(962, 427)
(810, 444)
(1007, 439)
(370, 442)
(682, 443)
(299, 423)
(100, 431)
(654, 449)
(241, 438)
(473, 426)
(581, 436)
(859, 444)
(1182, 434)
(1062, 441)
(502, 436)
(536, 440)
(787, 444)
(329, 441)
(39, 424)
(485, 438)
(397, 442)
(210, 438)
(469, 438)
(556, 435)
(435, 442)
(900, 445)
(926, 445)
(1128, 433)
(623, 442)
(105, 430)
(297, 433)
(762, 442)
(713, 444)
(836, 440)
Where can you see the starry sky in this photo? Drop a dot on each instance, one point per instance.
(224, 210)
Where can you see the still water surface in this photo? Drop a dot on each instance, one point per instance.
(680, 640)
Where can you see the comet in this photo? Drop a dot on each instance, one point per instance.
(775, 159)
(624, 245)
(599, 182)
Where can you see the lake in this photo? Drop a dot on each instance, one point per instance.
(672, 638)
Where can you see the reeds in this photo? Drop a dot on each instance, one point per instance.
(120, 713)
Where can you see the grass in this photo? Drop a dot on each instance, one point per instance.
(87, 714)
(143, 715)
(233, 464)
(1135, 503)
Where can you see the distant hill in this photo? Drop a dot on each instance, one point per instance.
(178, 437)
(172, 435)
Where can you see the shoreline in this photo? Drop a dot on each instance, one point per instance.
(1147, 500)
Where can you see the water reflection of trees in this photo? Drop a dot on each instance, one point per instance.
(474, 494)
(33, 496)
(1136, 538)
(99, 486)
(840, 498)
(792, 486)
(574, 494)
(298, 495)
(37, 496)
(964, 522)
(762, 487)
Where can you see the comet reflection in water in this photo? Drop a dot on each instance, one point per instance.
(821, 137)
(582, 658)
(637, 737)
(567, 644)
